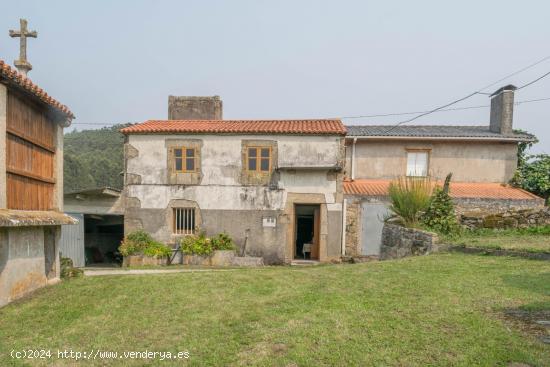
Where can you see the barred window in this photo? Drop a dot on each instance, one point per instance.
(184, 221)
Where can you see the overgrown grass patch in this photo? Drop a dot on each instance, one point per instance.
(533, 239)
(443, 309)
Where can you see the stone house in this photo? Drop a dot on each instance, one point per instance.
(275, 186)
(31, 184)
(482, 159)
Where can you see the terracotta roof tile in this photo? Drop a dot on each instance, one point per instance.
(480, 190)
(18, 79)
(313, 127)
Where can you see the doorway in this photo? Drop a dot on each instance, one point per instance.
(306, 245)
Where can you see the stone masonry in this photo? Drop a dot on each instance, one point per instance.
(195, 108)
(398, 242)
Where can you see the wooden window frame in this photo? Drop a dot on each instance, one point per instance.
(259, 159)
(428, 156)
(184, 159)
(184, 217)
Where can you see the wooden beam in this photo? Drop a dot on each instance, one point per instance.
(18, 172)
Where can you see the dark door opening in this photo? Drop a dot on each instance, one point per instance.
(102, 237)
(307, 234)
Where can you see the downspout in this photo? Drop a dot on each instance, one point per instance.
(344, 208)
(353, 159)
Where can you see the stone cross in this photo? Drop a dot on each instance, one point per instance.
(22, 64)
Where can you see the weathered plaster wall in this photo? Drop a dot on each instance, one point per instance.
(94, 205)
(468, 161)
(226, 201)
(25, 263)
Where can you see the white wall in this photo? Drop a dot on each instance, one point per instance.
(221, 167)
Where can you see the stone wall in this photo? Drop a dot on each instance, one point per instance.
(352, 229)
(28, 260)
(494, 206)
(398, 242)
(507, 219)
(195, 108)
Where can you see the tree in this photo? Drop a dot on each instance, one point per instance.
(440, 215)
(533, 172)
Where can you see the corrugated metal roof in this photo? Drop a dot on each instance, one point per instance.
(434, 131)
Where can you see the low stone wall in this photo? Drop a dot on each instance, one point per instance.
(398, 242)
(506, 219)
(495, 206)
(140, 260)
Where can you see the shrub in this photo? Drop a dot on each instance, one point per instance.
(202, 245)
(197, 245)
(440, 215)
(68, 270)
(157, 249)
(223, 242)
(410, 197)
(141, 243)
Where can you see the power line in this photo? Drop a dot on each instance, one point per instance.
(441, 110)
(534, 81)
(517, 103)
(479, 91)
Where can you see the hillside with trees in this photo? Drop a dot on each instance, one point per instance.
(93, 158)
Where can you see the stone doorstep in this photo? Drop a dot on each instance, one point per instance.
(247, 261)
(304, 263)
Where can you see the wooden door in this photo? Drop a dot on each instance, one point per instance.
(316, 233)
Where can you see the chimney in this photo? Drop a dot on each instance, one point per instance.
(502, 110)
(194, 108)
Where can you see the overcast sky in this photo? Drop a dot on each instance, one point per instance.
(117, 61)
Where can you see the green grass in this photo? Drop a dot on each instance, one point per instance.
(534, 239)
(443, 310)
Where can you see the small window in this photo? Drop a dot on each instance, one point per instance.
(259, 159)
(417, 164)
(184, 159)
(184, 221)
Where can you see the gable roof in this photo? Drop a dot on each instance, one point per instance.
(9, 75)
(298, 127)
(474, 190)
(433, 131)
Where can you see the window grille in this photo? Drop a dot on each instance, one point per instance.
(184, 220)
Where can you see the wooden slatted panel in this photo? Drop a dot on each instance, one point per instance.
(28, 194)
(30, 154)
(29, 121)
(25, 157)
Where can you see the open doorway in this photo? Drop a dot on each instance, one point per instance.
(102, 237)
(307, 232)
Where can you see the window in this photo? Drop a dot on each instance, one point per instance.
(417, 163)
(259, 159)
(184, 221)
(184, 159)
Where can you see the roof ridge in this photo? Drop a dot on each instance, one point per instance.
(27, 84)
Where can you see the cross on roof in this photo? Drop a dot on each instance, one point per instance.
(22, 64)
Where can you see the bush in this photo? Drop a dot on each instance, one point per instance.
(223, 242)
(141, 243)
(68, 270)
(157, 249)
(204, 246)
(410, 197)
(440, 215)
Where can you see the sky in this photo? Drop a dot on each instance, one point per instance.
(117, 61)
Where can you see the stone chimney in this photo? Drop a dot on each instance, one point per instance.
(194, 108)
(502, 110)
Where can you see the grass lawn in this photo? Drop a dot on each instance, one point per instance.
(444, 309)
(530, 239)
